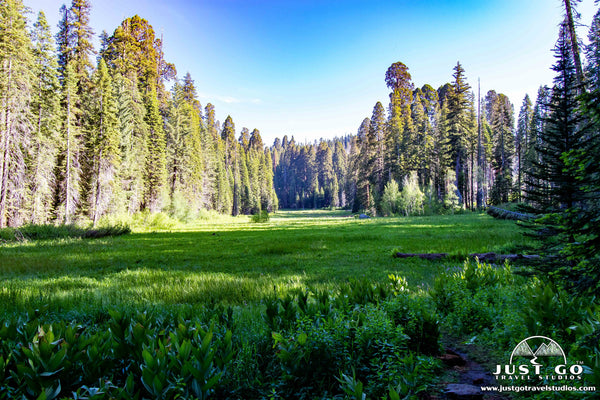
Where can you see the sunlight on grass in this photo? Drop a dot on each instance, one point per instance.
(233, 261)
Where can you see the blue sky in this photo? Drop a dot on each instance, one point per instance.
(315, 69)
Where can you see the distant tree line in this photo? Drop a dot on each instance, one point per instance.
(428, 150)
(85, 134)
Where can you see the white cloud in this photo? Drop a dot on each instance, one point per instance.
(229, 99)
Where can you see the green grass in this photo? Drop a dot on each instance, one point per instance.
(234, 261)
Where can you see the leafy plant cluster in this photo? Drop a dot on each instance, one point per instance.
(120, 356)
(381, 335)
(304, 346)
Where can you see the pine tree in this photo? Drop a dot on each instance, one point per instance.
(104, 43)
(133, 137)
(189, 93)
(244, 139)
(230, 163)
(340, 168)
(580, 221)
(45, 109)
(360, 163)
(374, 152)
(82, 45)
(440, 155)
(424, 139)
(522, 141)
(245, 187)
(324, 160)
(538, 118)
(155, 168)
(210, 145)
(102, 145)
(551, 187)
(459, 125)
(255, 141)
(178, 128)
(64, 40)
(228, 138)
(502, 123)
(16, 64)
(268, 197)
(592, 52)
(67, 193)
(134, 51)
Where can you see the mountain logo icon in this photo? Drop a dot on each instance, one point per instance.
(544, 347)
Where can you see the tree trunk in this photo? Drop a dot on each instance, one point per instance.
(37, 164)
(479, 150)
(5, 149)
(574, 44)
(68, 166)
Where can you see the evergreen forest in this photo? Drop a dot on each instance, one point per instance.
(93, 132)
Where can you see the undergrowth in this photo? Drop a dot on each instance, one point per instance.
(45, 232)
(299, 348)
(495, 309)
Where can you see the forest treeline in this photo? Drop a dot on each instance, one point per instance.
(427, 150)
(85, 132)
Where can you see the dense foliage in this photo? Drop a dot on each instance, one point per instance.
(79, 141)
(301, 346)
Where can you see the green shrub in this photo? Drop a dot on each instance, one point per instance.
(419, 320)
(548, 310)
(587, 344)
(260, 217)
(146, 220)
(472, 299)
(391, 200)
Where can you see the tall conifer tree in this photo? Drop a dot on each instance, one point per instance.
(103, 152)
(45, 108)
(502, 125)
(458, 119)
(552, 188)
(133, 133)
(156, 172)
(522, 141)
(67, 194)
(16, 64)
(398, 140)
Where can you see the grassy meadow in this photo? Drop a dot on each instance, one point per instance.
(309, 305)
(236, 262)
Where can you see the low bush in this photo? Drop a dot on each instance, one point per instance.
(45, 232)
(147, 221)
(260, 217)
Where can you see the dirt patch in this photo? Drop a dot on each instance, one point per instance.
(464, 376)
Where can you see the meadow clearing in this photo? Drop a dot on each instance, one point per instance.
(236, 262)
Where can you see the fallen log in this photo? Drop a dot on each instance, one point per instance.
(484, 257)
(426, 256)
(493, 257)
